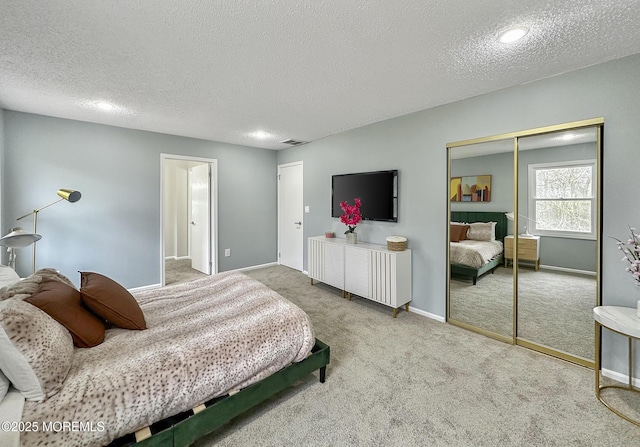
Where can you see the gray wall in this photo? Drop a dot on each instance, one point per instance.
(415, 144)
(500, 167)
(115, 228)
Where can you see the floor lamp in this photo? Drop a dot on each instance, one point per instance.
(17, 238)
(65, 194)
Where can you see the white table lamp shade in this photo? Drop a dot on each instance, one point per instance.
(19, 238)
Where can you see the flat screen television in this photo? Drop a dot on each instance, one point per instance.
(378, 192)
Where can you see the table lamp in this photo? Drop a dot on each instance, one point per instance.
(526, 233)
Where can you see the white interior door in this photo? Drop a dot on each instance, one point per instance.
(290, 215)
(199, 224)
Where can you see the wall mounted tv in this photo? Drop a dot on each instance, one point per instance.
(378, 192)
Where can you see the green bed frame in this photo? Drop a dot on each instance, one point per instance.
(501, 231)
(186, 428)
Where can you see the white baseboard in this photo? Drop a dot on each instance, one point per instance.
(567, 270)
(149, 287)
(270, 264)
(255, 267)
(622, 378)
(244, 269)
(418, 311)
(176, 258)
(427, 314)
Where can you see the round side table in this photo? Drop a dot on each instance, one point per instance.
(624, 321)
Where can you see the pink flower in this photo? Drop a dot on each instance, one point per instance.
(631, 252)
(351, 217)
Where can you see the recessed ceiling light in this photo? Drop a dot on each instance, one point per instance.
(100, 105)
(261, 134)
(103, 105)
(513, 34)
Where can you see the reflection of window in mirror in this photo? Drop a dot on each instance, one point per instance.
(562, 199)
(558, 183)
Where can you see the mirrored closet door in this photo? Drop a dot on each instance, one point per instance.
(480, 294)
(541, 187)
(558, 208)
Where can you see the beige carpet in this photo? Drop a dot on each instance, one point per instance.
(413, 381)
(555, 309)
(179, 270)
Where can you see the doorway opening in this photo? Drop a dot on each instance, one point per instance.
(188, 221)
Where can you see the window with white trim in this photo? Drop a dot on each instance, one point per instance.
(562, 199)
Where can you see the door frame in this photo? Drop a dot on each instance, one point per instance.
(213, 222)
(280, 166)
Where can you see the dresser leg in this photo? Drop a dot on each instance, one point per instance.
(395, 312)
(406, 307)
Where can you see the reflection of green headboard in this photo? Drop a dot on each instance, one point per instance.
(482, 216)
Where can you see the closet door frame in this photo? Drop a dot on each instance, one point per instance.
(598, 124)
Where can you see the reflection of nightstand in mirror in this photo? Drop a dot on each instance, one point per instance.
(528, 250)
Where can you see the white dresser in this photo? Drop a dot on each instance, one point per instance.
(367, 270)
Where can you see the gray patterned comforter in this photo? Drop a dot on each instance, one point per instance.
(473, 253)
(204, 338)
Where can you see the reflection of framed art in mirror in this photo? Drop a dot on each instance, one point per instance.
(471, 188)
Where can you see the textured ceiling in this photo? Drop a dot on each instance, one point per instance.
(220, 70)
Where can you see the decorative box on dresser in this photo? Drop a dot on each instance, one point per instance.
(367, 270)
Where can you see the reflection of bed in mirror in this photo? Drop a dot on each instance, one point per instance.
(486, 255)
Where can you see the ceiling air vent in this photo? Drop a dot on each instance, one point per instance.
(293, 142)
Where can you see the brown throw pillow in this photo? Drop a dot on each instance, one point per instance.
(464, 231)
(454, 233)
(458, 232)
(111, 301)
(64, 304)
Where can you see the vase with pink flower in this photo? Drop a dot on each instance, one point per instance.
(351, 218)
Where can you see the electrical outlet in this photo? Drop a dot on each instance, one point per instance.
(227, 252)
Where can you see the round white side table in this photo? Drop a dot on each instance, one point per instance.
(624, 321)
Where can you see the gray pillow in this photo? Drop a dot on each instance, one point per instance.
(482, 231)
(4, 385)
(37, 351)
(30, 285)
(8, 276)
